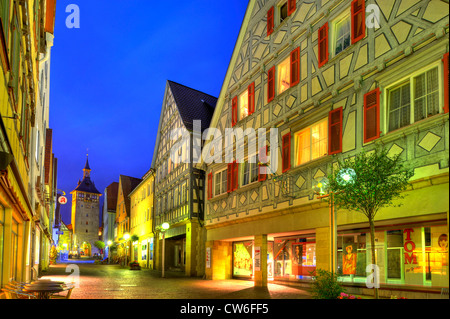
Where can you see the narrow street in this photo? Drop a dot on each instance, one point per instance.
(114, 282)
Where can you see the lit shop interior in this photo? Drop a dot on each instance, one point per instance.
(406, 255)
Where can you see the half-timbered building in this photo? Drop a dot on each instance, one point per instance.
(334, 78)
(179, 185)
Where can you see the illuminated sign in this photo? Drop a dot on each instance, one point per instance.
(62, 200)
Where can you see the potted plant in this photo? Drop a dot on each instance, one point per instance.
(135, 265)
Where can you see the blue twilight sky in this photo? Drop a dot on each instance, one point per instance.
(108, 78)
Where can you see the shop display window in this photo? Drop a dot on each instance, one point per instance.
(407, 255)
(243, 258)
(294, 258)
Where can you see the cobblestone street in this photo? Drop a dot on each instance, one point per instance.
(114, 282)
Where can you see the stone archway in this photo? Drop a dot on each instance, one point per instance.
(86, 249)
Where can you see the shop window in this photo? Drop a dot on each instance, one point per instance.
(351, 256)
(294, 258)
(413, 99)
(243, 258)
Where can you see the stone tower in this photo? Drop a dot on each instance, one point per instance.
(85, 214)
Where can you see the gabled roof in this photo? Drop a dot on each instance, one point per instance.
(193, 105)
(112, 190)
(128, 184)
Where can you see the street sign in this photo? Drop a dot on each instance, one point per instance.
(62, 200)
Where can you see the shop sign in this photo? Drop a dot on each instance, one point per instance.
(257, 259)
(409, 247)
(62, 200)
(208, 257)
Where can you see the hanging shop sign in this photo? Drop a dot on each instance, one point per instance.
(62, 200)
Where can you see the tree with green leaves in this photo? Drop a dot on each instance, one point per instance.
(368, 182)
(100, 245)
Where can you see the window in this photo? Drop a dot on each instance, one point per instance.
(283, 76)
(287, 75)
(243, 105)
(413, 99)
(311, 143)
(283, 12)
(220, 182)
(249, 170)
(341, 33)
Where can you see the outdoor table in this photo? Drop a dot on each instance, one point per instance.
(44, 288)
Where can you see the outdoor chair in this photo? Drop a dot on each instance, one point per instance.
(17, 294)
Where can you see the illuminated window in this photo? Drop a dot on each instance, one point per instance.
(243, 105)
(311, 143)
(283, 76)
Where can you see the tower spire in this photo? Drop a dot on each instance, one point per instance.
(86, 169)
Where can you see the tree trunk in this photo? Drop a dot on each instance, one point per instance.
(372, 243)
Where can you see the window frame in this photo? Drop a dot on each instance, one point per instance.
(253, 170)
(410, 78)
(309, 127)
(223, 190)
(345, 14)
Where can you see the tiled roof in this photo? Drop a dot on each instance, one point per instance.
(193, 105)
(87, 186)
(111, 199)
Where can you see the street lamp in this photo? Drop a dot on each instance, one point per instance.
(345, 176)
(126, 236)
(109, 251)
(164, 227)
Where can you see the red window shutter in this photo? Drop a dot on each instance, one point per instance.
(230, 178)
(251, 98)
(210, 190)
(295, 67)
(371, 115)
(271, 84)
(270, 21)
(358, 17)
(262, 168)
(234, 111)
(235, 175)
(335, 131)
(292, 4)
(286, 153)
(445, 60)
(323, 44)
